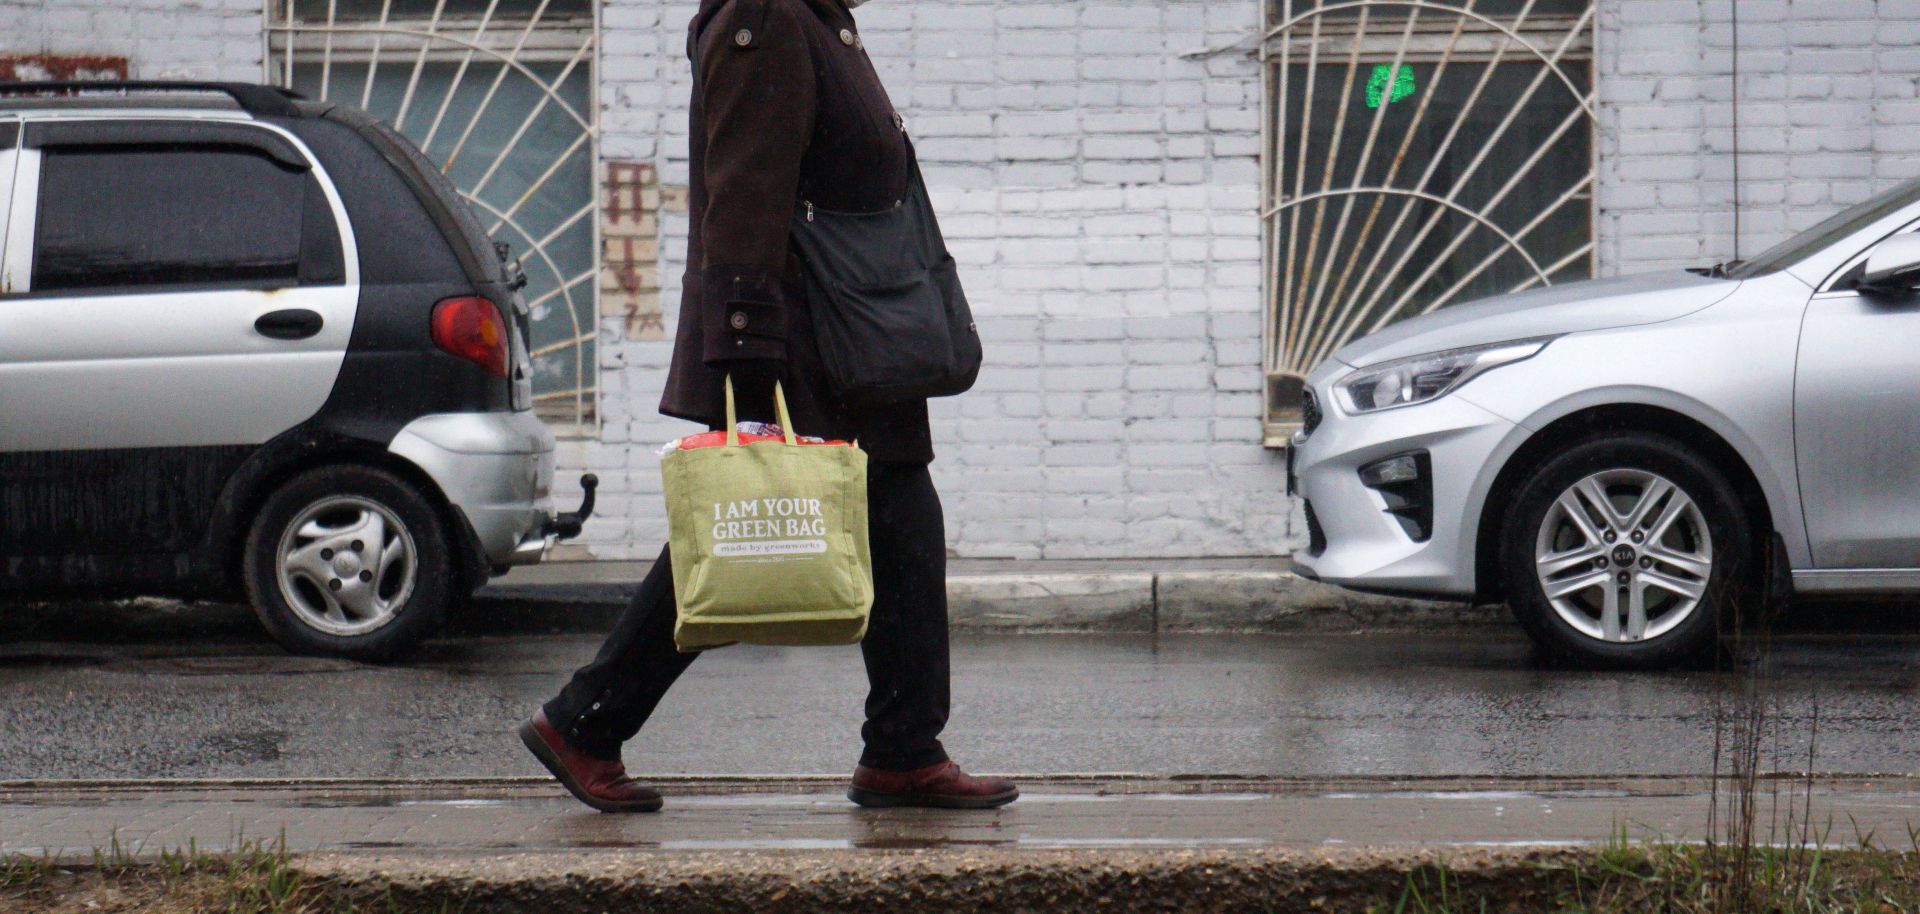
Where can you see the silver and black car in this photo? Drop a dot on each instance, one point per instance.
(252, 344)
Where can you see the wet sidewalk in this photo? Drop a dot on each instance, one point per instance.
(515, 817)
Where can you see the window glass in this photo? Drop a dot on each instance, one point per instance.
(1507, 11)
(165, 215)
(1422, 155)
(1426, 206)
(1828, 233)
(318, 10)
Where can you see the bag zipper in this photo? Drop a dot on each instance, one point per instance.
(809, 210)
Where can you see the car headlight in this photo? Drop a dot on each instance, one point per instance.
(1422, 378)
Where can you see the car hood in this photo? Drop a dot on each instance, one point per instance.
(1593, 305)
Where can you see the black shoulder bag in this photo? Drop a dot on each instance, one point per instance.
(892, 321)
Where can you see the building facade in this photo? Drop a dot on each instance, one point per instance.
(1165, 210)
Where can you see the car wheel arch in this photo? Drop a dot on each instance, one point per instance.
(1593, 420)
(288, 458)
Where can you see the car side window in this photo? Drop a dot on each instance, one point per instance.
(1847, 279)
(177, 215)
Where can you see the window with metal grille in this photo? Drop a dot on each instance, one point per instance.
(500, 95)
(1419, 153)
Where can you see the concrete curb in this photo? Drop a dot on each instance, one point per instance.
(961, 881)
(1119, 602)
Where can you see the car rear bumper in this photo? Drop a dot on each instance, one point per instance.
(496, 469)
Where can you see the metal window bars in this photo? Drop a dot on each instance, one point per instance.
(501, 95)
(1494, 95)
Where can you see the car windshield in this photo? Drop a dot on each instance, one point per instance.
(1813, 240)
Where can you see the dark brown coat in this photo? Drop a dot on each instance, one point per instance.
(786, 105)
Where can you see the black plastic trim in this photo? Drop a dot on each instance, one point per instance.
(1410, 502)
(161, 132)
(9, 135)
(253, 98)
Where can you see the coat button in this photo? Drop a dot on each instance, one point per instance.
(846, 37)
(739, 320)
(743, 37)
(859, 43)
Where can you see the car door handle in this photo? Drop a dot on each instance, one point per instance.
(289, 324)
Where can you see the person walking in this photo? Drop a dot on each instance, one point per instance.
(787, 106)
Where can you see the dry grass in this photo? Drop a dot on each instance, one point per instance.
(257, 879)
(1684, 879)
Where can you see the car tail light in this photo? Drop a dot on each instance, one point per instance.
(470, 327)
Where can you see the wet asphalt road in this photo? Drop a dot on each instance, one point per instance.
(1420, 704)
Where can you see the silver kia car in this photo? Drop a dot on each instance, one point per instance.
(1628, 462)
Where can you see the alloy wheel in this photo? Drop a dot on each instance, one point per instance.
(1624, 556)
(346, 565)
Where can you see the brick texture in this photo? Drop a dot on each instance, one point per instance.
(163, 39)
(1829, 114)
(1100, 190)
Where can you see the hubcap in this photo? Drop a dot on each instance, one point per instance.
(1624, 556)
(346, 565)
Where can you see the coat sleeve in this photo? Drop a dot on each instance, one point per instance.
(757, 97)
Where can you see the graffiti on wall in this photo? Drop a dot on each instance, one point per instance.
(61, 67)
(630, 246)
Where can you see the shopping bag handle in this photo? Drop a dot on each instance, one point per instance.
(780, 413)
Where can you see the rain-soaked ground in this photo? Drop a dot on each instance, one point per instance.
(1235, 743)
(1382, 705)
(1053, 815)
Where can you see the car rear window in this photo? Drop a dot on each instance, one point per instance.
(148, 216)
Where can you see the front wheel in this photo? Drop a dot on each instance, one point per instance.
(348, 561)
(1625, 551)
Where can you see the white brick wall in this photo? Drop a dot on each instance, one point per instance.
(1101, 195)
(163, 39)
(1829, 114)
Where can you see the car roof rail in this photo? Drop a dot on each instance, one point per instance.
(253, 98)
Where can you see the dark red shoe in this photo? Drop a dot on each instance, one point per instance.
(942, 786)
(598, 783)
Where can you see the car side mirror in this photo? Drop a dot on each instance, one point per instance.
(1893, 269)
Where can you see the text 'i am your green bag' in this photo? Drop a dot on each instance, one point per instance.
(768, 537)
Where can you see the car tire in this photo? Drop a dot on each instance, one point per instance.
(1667, 511)
(348, 561)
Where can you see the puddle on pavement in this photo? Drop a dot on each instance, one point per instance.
(1183, 843)
(344, 803)
(765, 844)
(928, 844)
(465, 804)
(761, 800)
(232, 665)
(1474, 795)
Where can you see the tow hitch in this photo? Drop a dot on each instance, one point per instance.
(567, 526)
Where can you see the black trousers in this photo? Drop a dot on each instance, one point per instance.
(610, 699)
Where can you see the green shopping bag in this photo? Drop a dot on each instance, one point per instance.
(769, 538)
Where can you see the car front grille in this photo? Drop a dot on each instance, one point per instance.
(1309, 410)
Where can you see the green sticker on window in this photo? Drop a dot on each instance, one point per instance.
(1388, 84)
